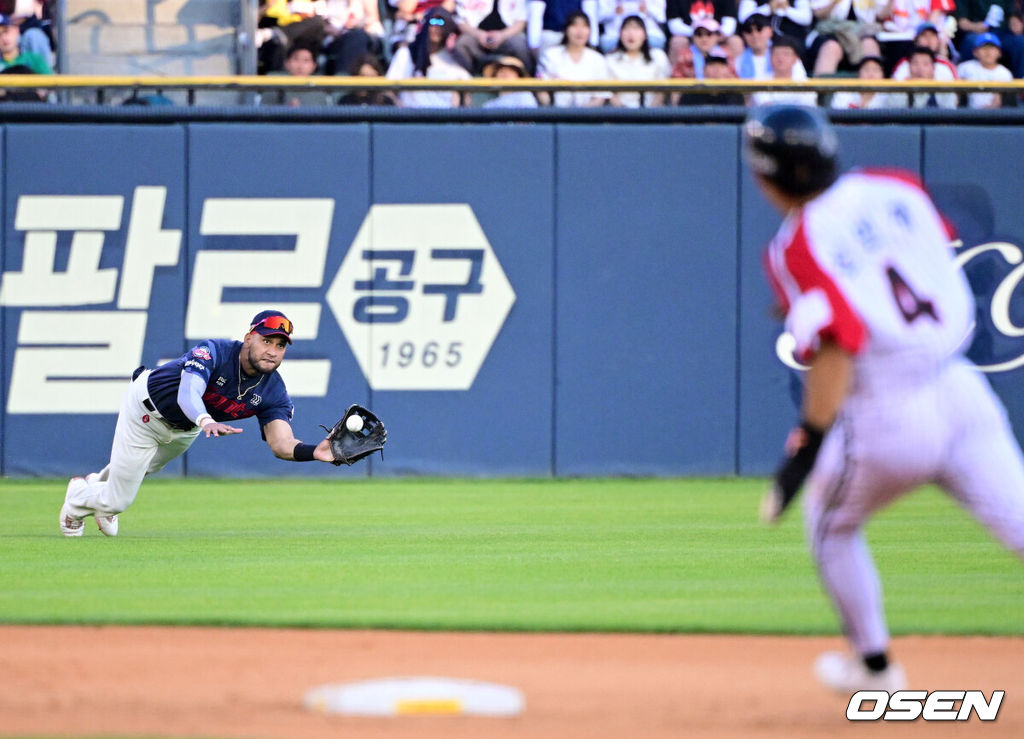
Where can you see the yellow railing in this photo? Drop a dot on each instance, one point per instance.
(258, 83)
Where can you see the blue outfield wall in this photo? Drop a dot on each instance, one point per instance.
(645, 349)
(513, 299)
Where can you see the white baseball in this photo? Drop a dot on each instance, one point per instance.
(354, 423)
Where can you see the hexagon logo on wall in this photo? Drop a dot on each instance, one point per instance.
(420, 297)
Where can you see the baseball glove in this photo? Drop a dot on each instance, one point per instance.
(349, 447)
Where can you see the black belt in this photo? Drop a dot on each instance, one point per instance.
(145, 401)
(160, 417)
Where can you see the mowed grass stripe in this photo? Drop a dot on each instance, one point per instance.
(678, 555)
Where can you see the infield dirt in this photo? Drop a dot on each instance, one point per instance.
(219, 682)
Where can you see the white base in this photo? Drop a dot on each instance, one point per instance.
(405, 696)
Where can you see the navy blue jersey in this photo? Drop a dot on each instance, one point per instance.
(230, 393)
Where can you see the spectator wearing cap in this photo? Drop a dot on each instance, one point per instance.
(716, 67)
(11, 55)
(785, 55)
(755, 62)
(975, 17)
(930, 35)
(545, 22)
(844, 32)
(707, 36)
(870, 68)
(574, 60)
(634, 60)
(429, 56)
(922, 67)
(612, 13)
(489, 28)
(792, 18)
(985, 67)
(689, 59)
(683, 15)
(509, 68)
(927, 36)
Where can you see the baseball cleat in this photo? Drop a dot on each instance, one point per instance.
(107, 523)
(70, 525)
(771, 506)
(847, 673)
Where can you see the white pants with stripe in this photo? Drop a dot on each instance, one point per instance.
(143, 444)
(949, 429)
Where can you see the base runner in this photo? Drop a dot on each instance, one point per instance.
(864, 274)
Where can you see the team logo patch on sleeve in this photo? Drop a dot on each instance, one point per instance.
(202, 352)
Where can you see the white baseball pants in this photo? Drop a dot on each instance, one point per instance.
(143, 444)
(950, 430)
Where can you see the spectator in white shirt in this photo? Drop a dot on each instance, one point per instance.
(574, 60)
(985, 67)
(635, 60)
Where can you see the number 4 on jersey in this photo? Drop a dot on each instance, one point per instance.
(910, 305)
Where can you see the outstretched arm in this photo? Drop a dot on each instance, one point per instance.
(284, 445)
(190, 400)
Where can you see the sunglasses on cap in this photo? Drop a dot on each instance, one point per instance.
(275, 323)
(436, 21)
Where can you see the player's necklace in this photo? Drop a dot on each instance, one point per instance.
(241, 392)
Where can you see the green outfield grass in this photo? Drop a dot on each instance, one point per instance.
(591, 555)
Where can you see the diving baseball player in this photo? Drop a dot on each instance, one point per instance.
(862, 269)
(204, 391)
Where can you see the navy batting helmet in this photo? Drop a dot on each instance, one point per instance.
(792, 146)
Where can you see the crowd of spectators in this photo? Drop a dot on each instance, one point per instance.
(625, 40)
(651, 40)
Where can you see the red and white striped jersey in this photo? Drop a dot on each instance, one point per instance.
(867, 265)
